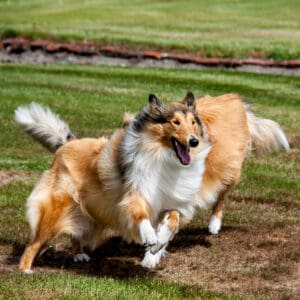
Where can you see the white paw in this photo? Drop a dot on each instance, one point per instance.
(214, 224)
(147, 233)
(81, 257)
(164, 233)
(152, 260)
(27, 271)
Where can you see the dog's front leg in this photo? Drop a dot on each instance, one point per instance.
(166, 231)
(135, 214)
(147, 233)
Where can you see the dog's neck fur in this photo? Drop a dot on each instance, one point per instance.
(156, 172)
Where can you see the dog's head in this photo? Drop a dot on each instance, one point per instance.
(174, 125)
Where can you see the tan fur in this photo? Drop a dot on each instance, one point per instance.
(74, 164)
(83, 194)
(182, 131)
(127, 118)
(180, 127)
(75, 185)
(226, 122)
(173, 220)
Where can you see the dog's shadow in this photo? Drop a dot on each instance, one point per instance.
(115, 258)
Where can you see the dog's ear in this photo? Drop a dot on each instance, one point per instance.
(154, 101)
(156, 108)
(189, 99)
(155, 104)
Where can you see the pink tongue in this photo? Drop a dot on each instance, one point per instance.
(183, 153)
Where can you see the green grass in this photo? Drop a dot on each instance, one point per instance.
(92, 100)
(212, 28)
(51, 286)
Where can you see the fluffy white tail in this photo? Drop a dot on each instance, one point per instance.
(43, 125)
(265, 135)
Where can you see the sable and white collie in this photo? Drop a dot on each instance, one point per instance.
(146, 180)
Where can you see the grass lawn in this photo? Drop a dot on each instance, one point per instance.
(256, 252)
(221, 28)
(53, 286)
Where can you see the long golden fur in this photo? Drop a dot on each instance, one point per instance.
(146, 180)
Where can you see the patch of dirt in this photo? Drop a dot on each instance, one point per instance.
(6, 177)
(250, 260)
(294, 141)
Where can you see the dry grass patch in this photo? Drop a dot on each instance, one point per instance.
(294, 141)
(7, 177)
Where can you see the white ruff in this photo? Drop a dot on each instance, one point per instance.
(157, 173)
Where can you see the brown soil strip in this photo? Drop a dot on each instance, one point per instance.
(20, 45)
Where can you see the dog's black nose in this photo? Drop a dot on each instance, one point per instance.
(193, 142)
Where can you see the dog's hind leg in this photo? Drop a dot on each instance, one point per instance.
(166, 231)
(30, 253)
(215, 221)
(78, 254)
(50, 222)
(41, 234)
(44, 233)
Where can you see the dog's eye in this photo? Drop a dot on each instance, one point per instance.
(176, 122)
(193, 122)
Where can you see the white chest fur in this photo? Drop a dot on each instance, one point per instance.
(157, 173)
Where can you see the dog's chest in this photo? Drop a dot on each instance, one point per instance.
(167, 184)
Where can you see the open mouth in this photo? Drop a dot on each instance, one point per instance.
(182, 152)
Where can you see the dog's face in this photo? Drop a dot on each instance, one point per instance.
(174, 125)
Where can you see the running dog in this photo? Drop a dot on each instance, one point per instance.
(146, 180)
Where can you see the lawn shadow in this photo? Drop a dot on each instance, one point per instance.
(115, 258)
(189, 237)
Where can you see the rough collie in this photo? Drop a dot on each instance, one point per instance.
(146, 180)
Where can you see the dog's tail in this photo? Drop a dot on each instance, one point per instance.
(265, 135)
(43, 125)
